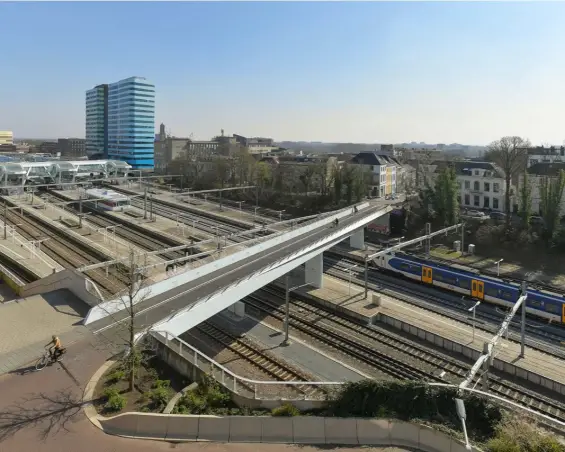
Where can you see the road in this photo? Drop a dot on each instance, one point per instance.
(44, 404)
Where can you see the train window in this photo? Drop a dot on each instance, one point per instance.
(533, 303)
(464, 283)
(507, 295)
(491, 292)
(438, 277)
(553, 308)
(404, 267)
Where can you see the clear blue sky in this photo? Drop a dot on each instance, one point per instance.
(363, 72)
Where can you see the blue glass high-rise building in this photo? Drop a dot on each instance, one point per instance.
(97, 122)
(130, 121)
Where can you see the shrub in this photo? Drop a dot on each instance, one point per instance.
(411, 400)
(191, 402)
(287, 410)
(115, 401)
(110, 392)
(516, 434)
(117, 375)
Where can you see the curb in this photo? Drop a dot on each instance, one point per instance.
(171, 405)
(88, 394)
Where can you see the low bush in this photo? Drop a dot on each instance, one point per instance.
(114, 400)
(515, 434)
(209, 397)
(115, 376)
(159, 395)
(286, 410)
(413, 401)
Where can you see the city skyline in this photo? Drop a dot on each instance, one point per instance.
(331, 72)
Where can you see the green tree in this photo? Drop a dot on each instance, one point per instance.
(526, 200)
(443, 197)
(223, 170)
(244, 163)
(262, 175)
(551, 193)
(338, 183)
(510, 153)
(306, 178)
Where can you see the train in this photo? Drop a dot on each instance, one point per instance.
(469, 282)
(108, 199)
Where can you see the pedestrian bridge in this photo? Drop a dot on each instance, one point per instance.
(185, 300)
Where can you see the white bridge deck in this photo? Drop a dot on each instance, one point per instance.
(183, 301)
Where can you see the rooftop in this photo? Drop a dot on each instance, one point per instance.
(546, 169)
(373, 158)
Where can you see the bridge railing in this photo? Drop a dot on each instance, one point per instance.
(255, 389)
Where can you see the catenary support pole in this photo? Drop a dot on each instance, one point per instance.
(523, 329)
(286, 309)
(145, 205)
(366, 277)
(5, 218)
(462, 238)
(428, 240)
(486, 364)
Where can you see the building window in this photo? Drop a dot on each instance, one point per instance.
(495, 203)
(467, 200)
(467, 184)
(477, 185)
(459, 183)
(495, 187)
(487, 186)
(476, 172)
(477, 200)
(486, 203)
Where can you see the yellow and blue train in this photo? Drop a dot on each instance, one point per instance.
(466, 281)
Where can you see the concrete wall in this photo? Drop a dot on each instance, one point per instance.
(66, 279)
(183, 364)
(464, 350)
(285, 430)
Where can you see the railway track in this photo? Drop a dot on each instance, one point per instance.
(128, 232)
(389, 352)
(451, 306)
(70, 254)
(265, 362)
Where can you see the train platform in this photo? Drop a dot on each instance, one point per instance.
(540, 369)
(28, 254)
(205, 208)
(100, 239)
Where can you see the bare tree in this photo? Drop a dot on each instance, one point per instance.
(510, 153)
(125, 315)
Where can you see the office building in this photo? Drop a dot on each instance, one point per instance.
(120, 122)
(97, 122)
(6, 137)
(72, 147)
(131, 122)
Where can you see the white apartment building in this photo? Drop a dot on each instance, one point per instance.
(542, 154)
(6, 137)
(383, 172)
(481, 184)
(536, 173)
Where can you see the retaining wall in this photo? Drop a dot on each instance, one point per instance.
(185, 366)
(473, 354)
(285, 430)
(72, 280)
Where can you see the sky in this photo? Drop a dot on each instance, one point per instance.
(321, 71)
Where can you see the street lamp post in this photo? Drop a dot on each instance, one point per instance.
(473, 308)
(255, 214)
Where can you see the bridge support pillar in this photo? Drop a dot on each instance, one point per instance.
(314, 271)
(357, 239)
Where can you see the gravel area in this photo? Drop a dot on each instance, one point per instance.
(238, 365)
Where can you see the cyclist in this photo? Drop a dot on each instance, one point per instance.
(55, 347)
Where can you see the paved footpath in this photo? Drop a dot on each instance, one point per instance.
(36, 400)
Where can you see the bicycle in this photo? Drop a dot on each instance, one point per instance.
(48, 359)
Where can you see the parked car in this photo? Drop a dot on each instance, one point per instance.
(536, 220)
(497, 216)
